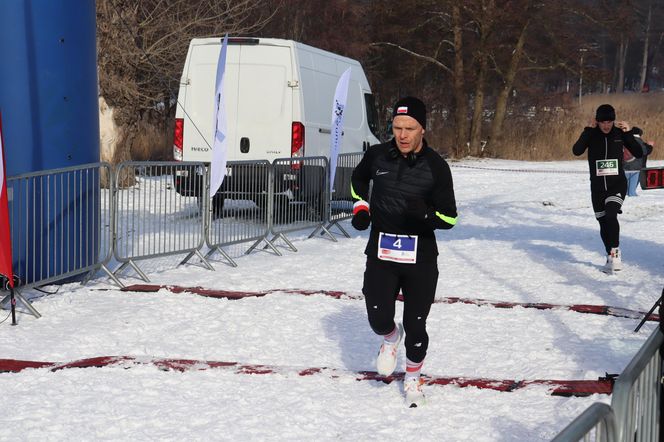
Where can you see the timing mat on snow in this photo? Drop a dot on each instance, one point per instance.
(234, 294)
(602, 385)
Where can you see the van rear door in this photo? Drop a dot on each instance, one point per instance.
(199, 100)
(264, 113)
(258, 100)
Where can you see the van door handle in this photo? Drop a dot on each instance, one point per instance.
(244, 145)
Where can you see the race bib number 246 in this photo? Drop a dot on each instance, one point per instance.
(606, 167)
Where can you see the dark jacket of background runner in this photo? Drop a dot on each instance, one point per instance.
(406, 194)
(606, 147)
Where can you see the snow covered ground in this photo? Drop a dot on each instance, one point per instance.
(521, 236)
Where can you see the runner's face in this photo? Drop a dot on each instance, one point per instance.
(605, 126)
(408, 134)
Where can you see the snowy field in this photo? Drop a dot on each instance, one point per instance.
(522, 236)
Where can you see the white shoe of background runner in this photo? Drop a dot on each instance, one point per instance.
(613, 261)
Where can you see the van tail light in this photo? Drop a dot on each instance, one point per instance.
(297, 143)
(178, 138)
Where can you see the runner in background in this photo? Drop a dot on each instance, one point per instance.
(605, 141)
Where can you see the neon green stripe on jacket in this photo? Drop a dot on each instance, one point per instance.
(353, 194)
(448, 219)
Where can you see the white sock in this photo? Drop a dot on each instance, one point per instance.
(413, 369)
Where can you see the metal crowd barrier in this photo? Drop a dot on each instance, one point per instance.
(60, 224)
(341, 199)
(65, 223)
(636, 394)
(153, 219)
(597, 424)
(300, 196)
(635, 403)
(241, 208)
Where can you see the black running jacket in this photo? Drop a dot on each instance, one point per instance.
(603, 147)
(410, 195)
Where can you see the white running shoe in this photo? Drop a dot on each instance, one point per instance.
(386, 361)
(414, 394)
(613, 261)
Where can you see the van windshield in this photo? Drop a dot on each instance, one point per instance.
(372, 114)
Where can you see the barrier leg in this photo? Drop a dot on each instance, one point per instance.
(18, 297)
(197, 253)
(324, 231)
(283, 237)
(223, 253)
(338, 226)
(135, 267)
(139, 271)
(111, 275)
(268, 243)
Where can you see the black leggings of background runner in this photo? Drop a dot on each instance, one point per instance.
(609, 228)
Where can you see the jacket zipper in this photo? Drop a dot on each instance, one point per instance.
(606, 157)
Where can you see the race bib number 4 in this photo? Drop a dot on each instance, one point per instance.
(606, 167)
(397, 248)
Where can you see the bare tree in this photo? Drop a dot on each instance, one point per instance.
(461, 111)
(474, 62)
(142, 47)
(646, 47)
(483, 16)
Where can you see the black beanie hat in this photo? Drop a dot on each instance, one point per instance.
(605, 112)
(413, 107)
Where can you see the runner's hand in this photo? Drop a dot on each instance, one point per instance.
(361, 217)
(361, 220)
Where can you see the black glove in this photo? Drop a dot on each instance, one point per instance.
(361, 220)
(361, 217)
(418, 209)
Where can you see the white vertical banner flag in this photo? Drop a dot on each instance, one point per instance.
(337, 131)
(220, 143)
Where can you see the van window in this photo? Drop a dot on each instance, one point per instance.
(372, 114)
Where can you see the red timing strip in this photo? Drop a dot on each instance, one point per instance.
(602, 385)
(230, 294)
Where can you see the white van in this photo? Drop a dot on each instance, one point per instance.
(279, 96)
